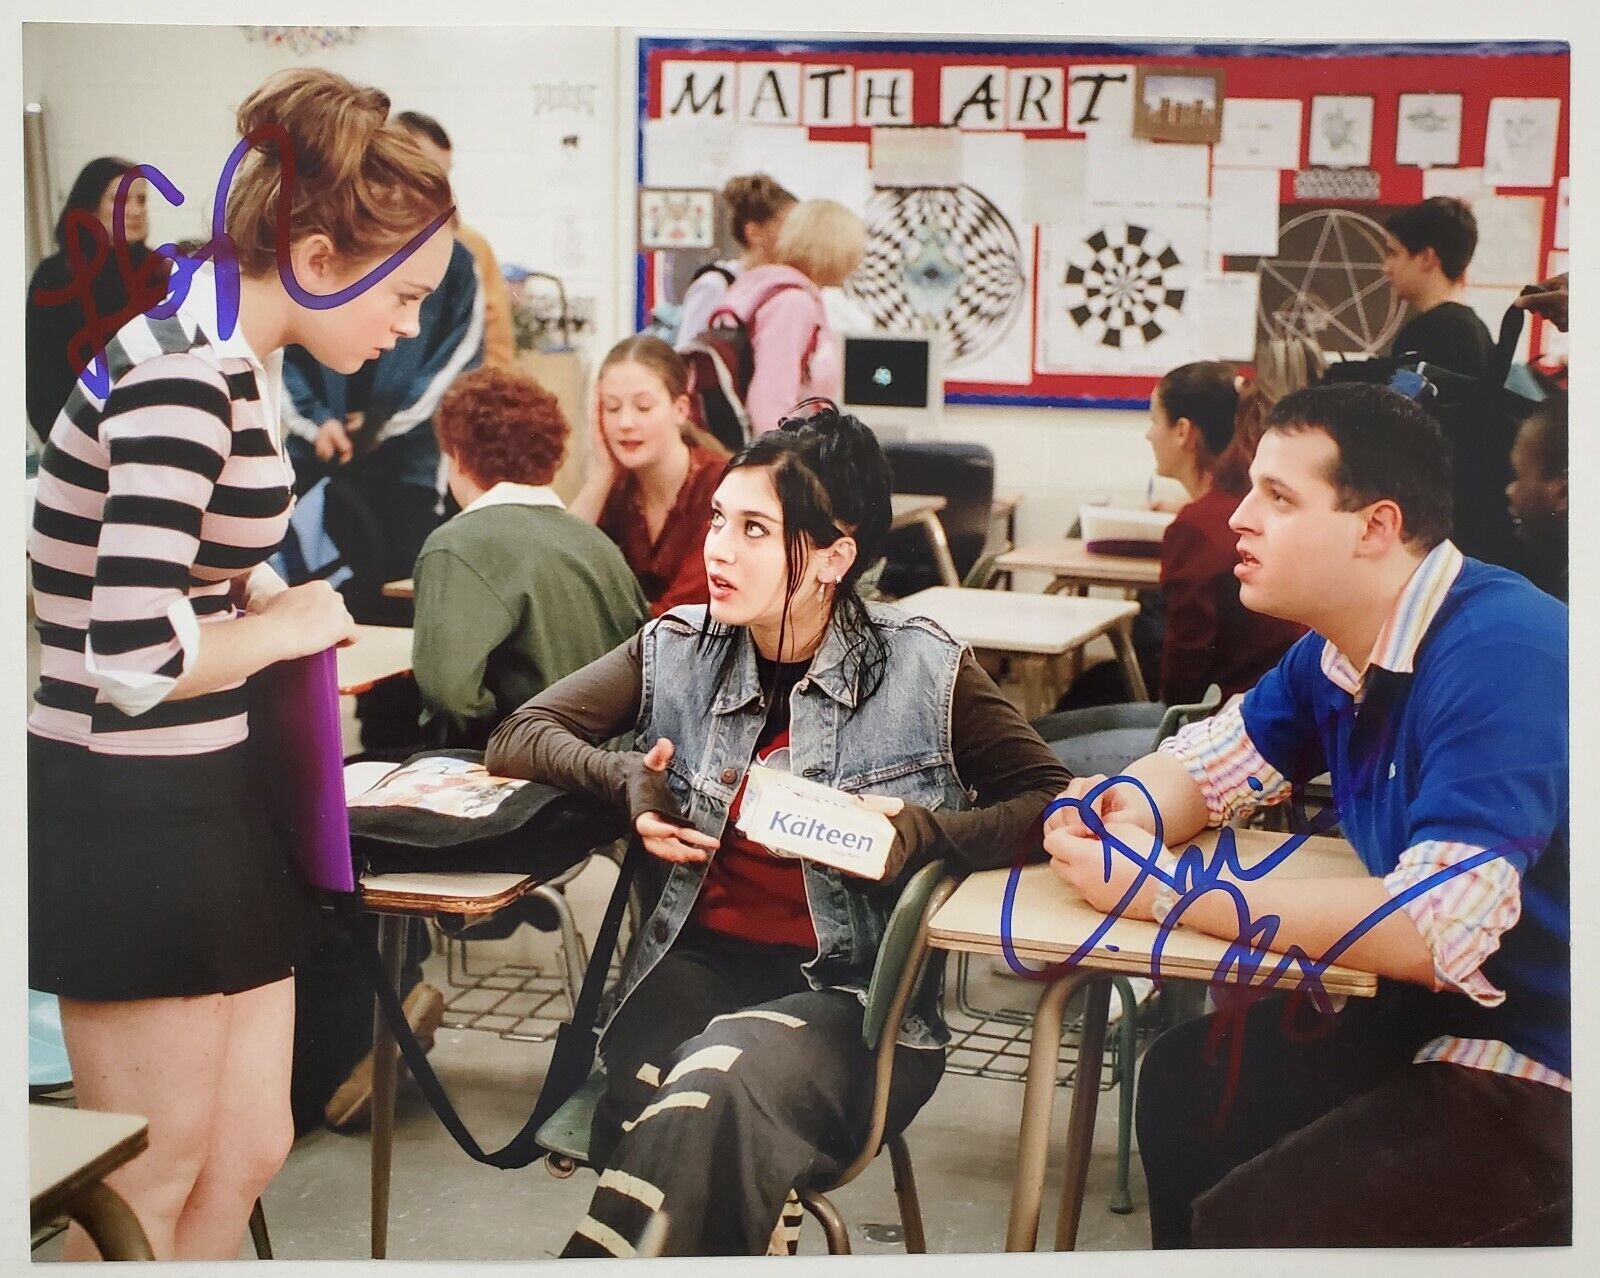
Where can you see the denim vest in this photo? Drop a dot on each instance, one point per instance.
(895, 743)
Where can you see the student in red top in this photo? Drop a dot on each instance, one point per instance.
(651, 471)
(1205, 422)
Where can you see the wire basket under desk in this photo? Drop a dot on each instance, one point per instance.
(992, 1042)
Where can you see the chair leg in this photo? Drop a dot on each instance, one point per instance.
(573, 954)
(905, 1189)
(258, 1232)
(1127, 1049)
(830, 1220)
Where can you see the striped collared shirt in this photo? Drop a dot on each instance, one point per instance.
(152, 503)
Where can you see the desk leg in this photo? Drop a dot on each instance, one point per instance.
(385, 1071)
(940, 547)
(1073, 665)
(1122, 641)
(1085, 1096)
(1034, 675)
(1038, 1094)
(110, 1224)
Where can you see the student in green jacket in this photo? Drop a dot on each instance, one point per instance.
(514, 592)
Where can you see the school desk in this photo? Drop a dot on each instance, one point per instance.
(395, 898)
(379, 653)
(1051, 922)
(1035, 630)
(70, 1152)
(1072, 566)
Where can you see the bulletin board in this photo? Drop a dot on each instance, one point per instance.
(1078, 218)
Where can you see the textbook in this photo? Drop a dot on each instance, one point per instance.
(797, 817)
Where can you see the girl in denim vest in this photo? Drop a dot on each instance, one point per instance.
(735, 1063)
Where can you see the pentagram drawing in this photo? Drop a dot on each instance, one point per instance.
(1327, 283)
(1124, 286)
(943, 259)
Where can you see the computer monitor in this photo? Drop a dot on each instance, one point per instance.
(894, 382)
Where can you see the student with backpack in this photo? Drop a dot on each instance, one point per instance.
(1428, 249)
(651, 471)
(757, 206)
(769, 345)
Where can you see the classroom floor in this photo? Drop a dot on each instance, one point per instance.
(446, 1207)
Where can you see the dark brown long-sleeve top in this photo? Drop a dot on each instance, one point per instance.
(555, 738)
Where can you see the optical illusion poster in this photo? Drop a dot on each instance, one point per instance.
(1068, 255)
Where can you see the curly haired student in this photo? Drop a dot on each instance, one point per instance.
(514, 592)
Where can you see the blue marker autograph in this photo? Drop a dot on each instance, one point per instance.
(1194, 876)
(86, 348)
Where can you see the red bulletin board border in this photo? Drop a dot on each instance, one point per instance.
(1478, 72)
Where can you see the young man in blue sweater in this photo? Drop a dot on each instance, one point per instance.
(1433, 688)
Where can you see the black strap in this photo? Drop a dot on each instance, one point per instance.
(712, 268)
(1505, 347)
(570, 1060)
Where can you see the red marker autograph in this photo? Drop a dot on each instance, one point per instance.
(150, 293)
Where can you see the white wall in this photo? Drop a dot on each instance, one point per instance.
(167, 96)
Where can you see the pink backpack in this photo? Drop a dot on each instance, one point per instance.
(721, 362)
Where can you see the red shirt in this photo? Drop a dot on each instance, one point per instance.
(671, 570)
(1210, 636)
(749, 891)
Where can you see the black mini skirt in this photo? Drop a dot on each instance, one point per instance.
(156, 877)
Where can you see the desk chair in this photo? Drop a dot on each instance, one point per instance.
(982, 574)
(963, 474)
(50, 1083)
(899, 967)
(1124, 728)
(49, 1073)
(544, 908)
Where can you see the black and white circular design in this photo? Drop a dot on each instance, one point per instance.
(941, 258)
(1124, 286)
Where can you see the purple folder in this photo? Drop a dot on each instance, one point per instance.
(294, 722)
